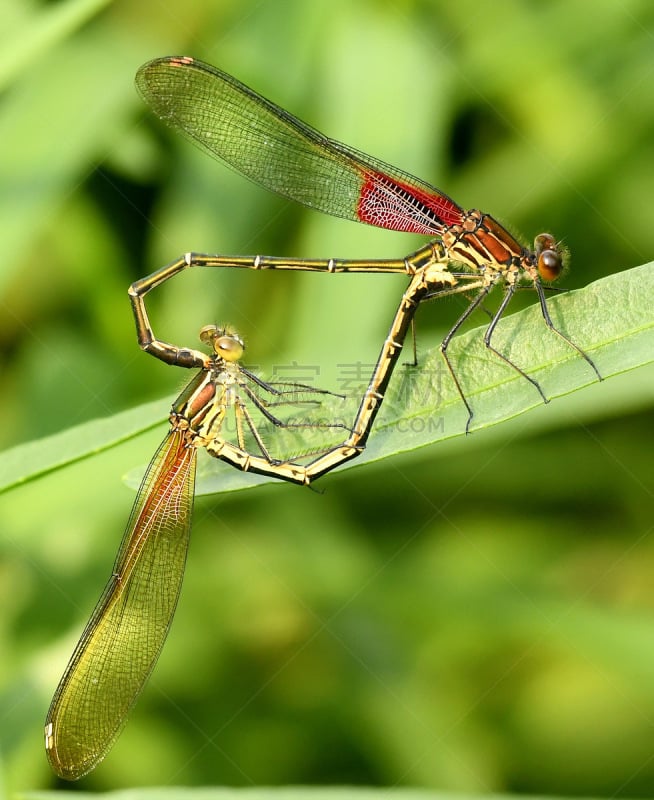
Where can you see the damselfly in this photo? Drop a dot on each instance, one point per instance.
(472, 253)
(122, 641)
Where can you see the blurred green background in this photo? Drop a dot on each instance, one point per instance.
(477, 616)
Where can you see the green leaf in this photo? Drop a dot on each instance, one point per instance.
(611, 320)
(283, 793)
(35, 459)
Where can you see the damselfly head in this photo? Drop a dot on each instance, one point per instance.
(225, 342)
(550, 257)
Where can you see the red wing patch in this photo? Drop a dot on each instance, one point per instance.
(390, 203)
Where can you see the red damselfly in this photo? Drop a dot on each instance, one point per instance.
(472, 252)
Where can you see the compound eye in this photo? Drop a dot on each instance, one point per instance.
(229, 347)
(544, 241)
(225, 342)
(550, 265)
(209, 333)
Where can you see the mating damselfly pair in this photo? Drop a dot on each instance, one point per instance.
(470, 254)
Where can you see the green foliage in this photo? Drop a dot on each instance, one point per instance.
(299, 793)
(471, 616)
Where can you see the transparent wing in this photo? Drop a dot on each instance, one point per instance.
(285, 155)
(122, 640)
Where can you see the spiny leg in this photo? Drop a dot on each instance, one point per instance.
(278, 423)
(548, 321)
(241, 412)
(272, 386)
(479, 299)
(510, 291)
(414, 340)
